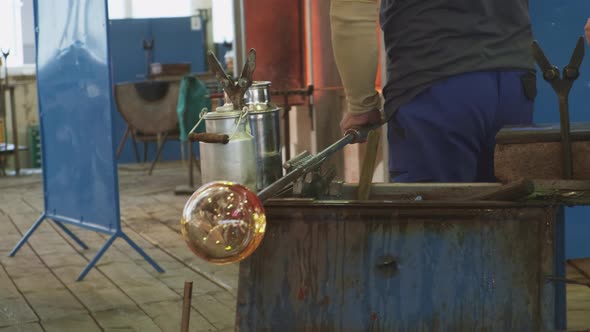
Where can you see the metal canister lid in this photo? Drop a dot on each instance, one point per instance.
(223, 112)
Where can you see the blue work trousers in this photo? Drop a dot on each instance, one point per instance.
(447, 133)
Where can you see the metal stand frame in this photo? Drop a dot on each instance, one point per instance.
(160, 140)
(192, 163)
(105, 247)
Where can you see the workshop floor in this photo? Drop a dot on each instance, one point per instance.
(38, 291)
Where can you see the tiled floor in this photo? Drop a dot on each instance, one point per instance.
(38, 291)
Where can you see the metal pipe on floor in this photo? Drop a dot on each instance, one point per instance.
(186, 305)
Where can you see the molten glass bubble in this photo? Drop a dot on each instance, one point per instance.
(223, 222)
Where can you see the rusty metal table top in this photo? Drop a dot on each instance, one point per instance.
(442, 195)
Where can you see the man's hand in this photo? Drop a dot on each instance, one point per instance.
(360, 120)
(587, 31)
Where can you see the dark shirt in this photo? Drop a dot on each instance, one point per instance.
(429, 40)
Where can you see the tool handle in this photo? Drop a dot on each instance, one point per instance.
(209, 138)
(509, 192)
(368, 168)
(566, 144)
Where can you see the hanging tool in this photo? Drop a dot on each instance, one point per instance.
(234, 90)
(148, 47)
(5, 55)
(562, 86)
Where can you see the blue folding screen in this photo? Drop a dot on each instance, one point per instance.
(74, 85)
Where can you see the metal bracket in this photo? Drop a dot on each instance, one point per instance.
(305, 165)
(562, 86)
(313, 184)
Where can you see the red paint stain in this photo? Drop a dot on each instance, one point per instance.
(302, 293)
(373, 316)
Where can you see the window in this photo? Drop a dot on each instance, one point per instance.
(17, 33)
(17, 27)
(159, 8)
(221, 10)
(119, 9)
(11, 31)
(223, 21)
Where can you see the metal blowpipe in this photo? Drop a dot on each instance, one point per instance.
(313, 162)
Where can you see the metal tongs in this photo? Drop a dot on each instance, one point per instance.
(234, 91)
(562, 86)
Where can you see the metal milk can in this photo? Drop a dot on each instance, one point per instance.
(234, 161)
(264, 118)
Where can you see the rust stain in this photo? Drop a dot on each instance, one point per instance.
(302, 293)
(454, 238)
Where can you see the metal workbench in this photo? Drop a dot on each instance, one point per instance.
(412, 258)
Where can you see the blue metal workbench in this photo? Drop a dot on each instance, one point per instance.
(404, 266)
